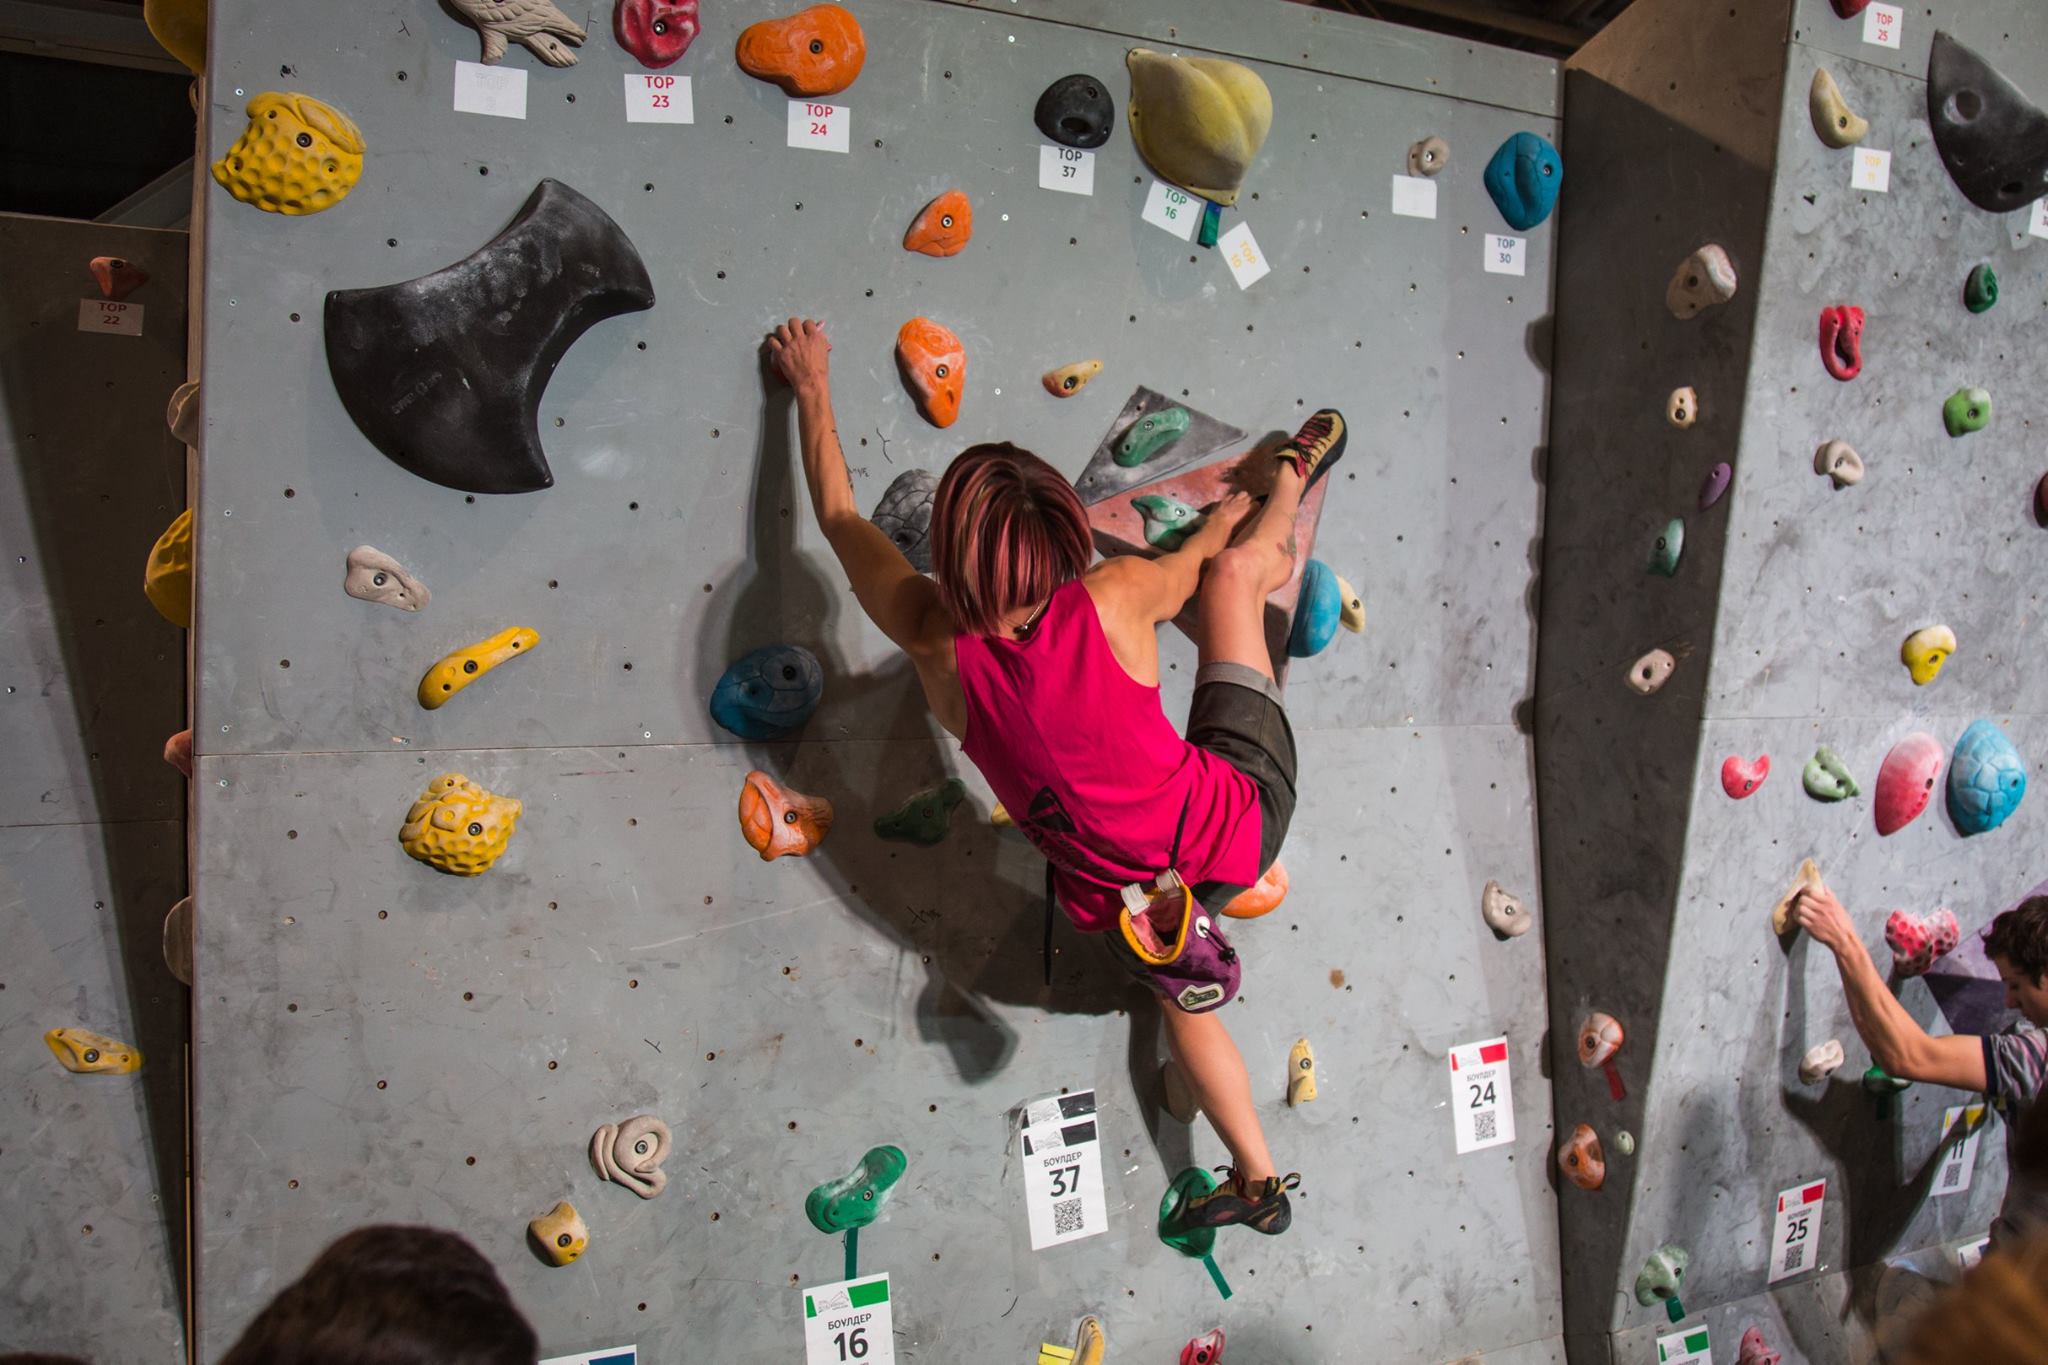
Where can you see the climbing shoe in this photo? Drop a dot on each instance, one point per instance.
(1259, 1205)
(1316, 447)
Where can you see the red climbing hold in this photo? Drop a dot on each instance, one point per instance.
(1841, 340)
(118, 277)
(1741, 776)
(657, 32)
(1917, 940)
(1906, 781)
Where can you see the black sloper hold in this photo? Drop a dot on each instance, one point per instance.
(1076, 111)
(1992, 138)
(445, 373)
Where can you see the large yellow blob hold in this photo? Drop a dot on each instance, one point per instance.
(167, 578)
(179, 26)
(1198, 121)
(465, 666)
(82, 1051)
(296, 156)
(458, 827)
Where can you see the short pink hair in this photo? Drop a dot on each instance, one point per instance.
(1007, 528)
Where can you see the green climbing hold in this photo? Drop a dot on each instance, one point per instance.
(1167, 522)
(1189, 1184)
(1662, 1276)
(1980, 291)
(1827, 778)
(1884, 1085)
(1966, 410)
(1212, 223)
(1664, 554)
(1145, 438)
(855, 1199)
(925, 817)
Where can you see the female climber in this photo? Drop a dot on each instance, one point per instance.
(1047, 671)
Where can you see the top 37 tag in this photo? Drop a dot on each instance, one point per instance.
(1062, 1153)
(1066, 169)
(821, 127)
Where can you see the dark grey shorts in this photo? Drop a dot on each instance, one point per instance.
(1236, 715)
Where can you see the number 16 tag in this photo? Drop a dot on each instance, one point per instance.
(1482, 1098)
(849, 1321)
(1062, 1153)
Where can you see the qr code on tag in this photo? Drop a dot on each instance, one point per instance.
(1952, 1175)
(1066, 1217)
(1795, 1257)
(1485, 1125)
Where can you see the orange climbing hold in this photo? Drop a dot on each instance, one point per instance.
(818, 51)
(934, 366)
(780, 823)
(943, 227)
(1263, 898)
(1581, 1160)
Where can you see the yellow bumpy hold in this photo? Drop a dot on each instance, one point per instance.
(1198, 121)
(465, 666)
(560, 1233)
(458, 827)
(167, 578)
(179, 26)
(86, 1052)
(296, 156)
(1301, 1073)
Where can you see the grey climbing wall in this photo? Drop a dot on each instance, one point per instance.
(92, 821)
(1787, 614)
(377, 1041)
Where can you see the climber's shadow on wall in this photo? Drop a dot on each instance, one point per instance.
(971, 908)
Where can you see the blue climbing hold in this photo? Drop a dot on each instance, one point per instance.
(1986, 779)
(1523, 179)
(768, 693)
(1316, 611)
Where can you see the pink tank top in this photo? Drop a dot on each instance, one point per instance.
(1085, 761)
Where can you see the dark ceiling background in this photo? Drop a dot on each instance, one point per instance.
(92, 111)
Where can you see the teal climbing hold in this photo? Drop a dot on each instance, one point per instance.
(1662, 1276)
(1316, 612)
(1150, 435)
(1883, 1085)
(1523, 177)
(1980, 290)
(855, 1199)
(1664, 554)
(1167, 522)
(1986, 779)
(925, 817)
(1966, 410)
(1827, 778)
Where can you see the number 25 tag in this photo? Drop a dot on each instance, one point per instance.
(849, 1321)
(820, 127)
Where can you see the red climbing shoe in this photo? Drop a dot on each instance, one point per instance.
(1259, 1205)
(1316, 447)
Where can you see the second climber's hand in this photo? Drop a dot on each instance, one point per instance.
(800, 350)
(1821, 915)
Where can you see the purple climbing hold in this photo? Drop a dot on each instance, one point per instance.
(1715, 485)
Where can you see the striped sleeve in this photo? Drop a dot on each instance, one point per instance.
(2015, 1065)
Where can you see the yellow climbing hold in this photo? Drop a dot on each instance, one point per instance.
(560, 1233)
(465, 666)
(86, 1052)
(1350, 607)
(1000, 818)
(1806, 879)
(1198, 121)
(296, 156)
(1925, 651)
(1301, 1073)
(167, 578)
(179, 26)
(458, 827)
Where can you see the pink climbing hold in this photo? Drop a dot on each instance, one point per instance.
(1751, 1350)
(1715, 485)
(1741, 776)
(1849, 9)
(1905, 783)
(1917, 940)
(1206, 1349)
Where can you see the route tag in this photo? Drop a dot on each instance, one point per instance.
(1241, 250)
(1795, 1233)
(1062, 1154)
(1961, 1161)
(849, 1321)
(1482, 1101)
(820, 127)
(1503, 254)
(499, 91)
(1871, 169)
(1414, 196)
(1690, 1347)
(110, 318)
(1172, 209)
(652, 97)
(611, 1355)
(1066, 169)
(1882, 24)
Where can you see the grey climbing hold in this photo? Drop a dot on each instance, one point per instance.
(905, 515)
(1503, 913)
(1821, 1061)
(178, 930)
(182, 412)
(1840, 462)
(375, 576)
(631, 1154)
(1992, 138)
